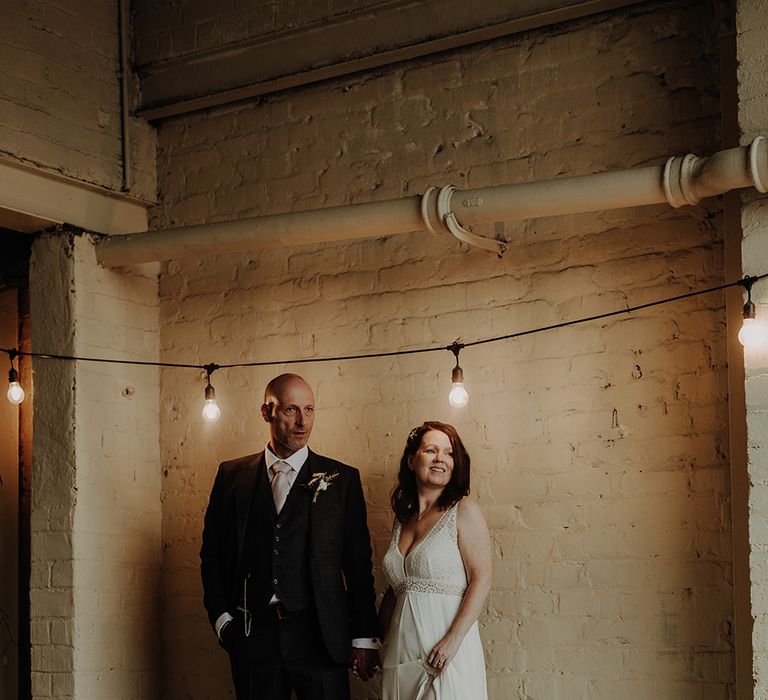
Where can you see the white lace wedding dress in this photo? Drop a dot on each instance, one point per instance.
(429, 584)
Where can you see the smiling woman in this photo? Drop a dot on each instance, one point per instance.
(439, 569)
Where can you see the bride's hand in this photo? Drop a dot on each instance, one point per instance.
(443, 652)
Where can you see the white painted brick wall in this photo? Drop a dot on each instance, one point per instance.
(96, 529)
(60, 94)
(117, 526)
(51, 597)
(599, 452)
(752, 22)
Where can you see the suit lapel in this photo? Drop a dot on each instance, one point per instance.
(324, 513)
(249, 480)
(264, 487)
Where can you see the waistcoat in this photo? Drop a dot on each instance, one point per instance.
(276, 551)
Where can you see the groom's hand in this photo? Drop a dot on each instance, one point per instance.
(364, 662)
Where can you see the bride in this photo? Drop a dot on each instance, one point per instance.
(439, 569)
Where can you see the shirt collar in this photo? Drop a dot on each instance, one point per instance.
(296, 460)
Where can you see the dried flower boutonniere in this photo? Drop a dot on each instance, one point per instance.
(320, 481)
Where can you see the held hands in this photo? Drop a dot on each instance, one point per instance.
(364, 663)
(443, 652)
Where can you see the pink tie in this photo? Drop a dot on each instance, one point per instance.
(280, 484)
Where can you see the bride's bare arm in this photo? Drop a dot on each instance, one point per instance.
(475, 549)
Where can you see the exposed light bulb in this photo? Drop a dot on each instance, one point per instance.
(15, 391)
(458, 396)
(753, 333)
(211, 410)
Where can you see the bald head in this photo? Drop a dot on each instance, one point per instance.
(289, 408)
(280, 383)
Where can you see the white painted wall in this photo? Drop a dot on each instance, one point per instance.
(599, 452)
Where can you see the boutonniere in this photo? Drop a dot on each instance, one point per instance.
(320, 481)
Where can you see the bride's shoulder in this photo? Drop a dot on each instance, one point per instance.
(469, 513)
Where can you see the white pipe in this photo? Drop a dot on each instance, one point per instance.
(682, 180)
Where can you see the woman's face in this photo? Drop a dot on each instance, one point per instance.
(433, 462)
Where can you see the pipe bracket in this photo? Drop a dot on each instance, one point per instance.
(686, 179)
(463, 234)
(666, 182)
(754, 169)
(678, 180)
(425, 209)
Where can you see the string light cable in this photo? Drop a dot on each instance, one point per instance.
(752, 334)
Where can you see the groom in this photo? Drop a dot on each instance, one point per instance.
(286, 562)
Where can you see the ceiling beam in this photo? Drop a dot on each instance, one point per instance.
(338, 47)
(32, 199)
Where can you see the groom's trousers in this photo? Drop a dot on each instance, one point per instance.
(284, 652)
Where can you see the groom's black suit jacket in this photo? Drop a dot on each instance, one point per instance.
(241, 508)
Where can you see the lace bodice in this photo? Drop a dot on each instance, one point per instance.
(434, 565)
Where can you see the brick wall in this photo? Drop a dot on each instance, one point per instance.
(752, 22)
(60, 94)
(117, 528)
(96, 526)
(599, 452)
(51, 595)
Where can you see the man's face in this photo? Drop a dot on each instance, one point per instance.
(290, 412)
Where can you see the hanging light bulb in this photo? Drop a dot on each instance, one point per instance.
(211, 410)
(458, 396)
(15, 391)
(753, 333)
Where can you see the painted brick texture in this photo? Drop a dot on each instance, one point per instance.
(752, 22)
(60, 94)
(96, 528)
(51, 594)
(117, 524)
(599, 452)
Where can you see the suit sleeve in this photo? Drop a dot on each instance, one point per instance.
(211, 554)
(357, 566)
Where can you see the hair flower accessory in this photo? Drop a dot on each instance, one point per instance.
(320, 481)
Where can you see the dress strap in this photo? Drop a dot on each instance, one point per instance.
(454, 529)
(447, 522)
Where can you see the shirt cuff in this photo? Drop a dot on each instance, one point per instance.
(222, 620)
(367, 643)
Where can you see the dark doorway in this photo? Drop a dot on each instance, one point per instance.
(15, 472)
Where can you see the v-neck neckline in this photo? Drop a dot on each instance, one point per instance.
(416, 545)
